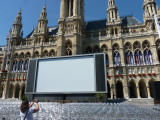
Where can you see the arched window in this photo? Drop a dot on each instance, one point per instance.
(136, 45)
(36, 54)
(52, 53)
(116, 55)
(146, 44)
(68, 48)
(107, 60)
(127, 46)
(129, 58)
(26, 65)
(16, 55)
(158, 52)
(21, 55)
(138, 57)
(158, 48)
(28, 55)
(104, 49)
(148, 57)
(20, 65)
(117, 58)
(15, 66)
(45, 53)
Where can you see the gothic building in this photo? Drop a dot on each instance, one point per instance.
(132, 48)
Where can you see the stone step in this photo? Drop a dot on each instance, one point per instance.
(142, 101)
(10, 100)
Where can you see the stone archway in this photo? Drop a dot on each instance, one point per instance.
(1, 91)
(22, 90)
(158, 52)
(151, 88)
(132, 90)
(109, 90)
(17, 90)
(143, 89)
(10, 93)
(119, 90)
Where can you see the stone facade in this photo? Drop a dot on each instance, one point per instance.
(132, 48)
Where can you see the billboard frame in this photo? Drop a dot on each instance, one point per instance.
(58, 93)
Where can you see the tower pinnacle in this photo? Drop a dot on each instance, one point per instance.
(112, 12)
(17, 25)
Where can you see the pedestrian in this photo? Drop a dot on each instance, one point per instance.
(26, 112)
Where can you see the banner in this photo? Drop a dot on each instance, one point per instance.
(157, 24)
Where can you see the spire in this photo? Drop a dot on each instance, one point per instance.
(150, 9)
(43, 15)
(42, 22)
(19, 18)
(112, 12)
(17, 25)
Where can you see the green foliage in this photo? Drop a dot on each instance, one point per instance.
(100, 96)
(24, 98)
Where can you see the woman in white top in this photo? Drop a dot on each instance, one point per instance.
(26, 112)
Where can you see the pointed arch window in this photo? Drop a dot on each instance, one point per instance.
(26, 65)
(15, 66)
(20, 65)
(117, 58)
(129, 58)
(28, 55)
(138, 57)
(45, 53)
(158, 48)
(107, 60)
(52, 53)
(36, 54)
(68, 48)
(148, 57)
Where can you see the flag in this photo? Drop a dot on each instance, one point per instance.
(157, 24)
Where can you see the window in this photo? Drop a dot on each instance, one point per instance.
(149, 70)
(138, 70)
(152, 70)
(129, 71)
(143, 71)
(132, 70)
(116, 71)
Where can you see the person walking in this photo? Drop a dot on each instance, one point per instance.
(26, 112)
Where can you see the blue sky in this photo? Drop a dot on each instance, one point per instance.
(31, 9)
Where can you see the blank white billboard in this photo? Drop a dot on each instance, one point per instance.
(66, 75)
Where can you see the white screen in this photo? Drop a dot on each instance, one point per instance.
(62, 75)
